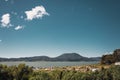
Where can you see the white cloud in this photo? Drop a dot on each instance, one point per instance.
(108, 53)
(5, 22)
(0, 40)
(18, 27)
(37, 12)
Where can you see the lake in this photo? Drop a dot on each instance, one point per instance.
(49, 64)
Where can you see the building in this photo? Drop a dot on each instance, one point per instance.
(117, 63)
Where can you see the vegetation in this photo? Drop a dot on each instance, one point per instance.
(23, 72)
(20, 72)
(111, 58)
(111, 73)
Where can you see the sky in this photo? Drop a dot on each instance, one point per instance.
(53, 27)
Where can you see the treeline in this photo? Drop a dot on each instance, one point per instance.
(111, 58)
(23, 72)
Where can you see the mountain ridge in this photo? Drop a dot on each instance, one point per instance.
(63, 57)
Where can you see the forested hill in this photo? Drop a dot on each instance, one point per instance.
(111, 58)
(63, 57)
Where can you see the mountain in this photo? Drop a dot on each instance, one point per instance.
(70, 57)
(63, 57)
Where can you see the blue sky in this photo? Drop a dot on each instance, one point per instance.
(53, 27)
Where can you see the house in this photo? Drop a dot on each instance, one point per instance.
(117, 63)
(94, 69)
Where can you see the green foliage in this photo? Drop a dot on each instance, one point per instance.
(56, 74)
(41, 75)
(116, 55)
(23, 72)
(108, 59)
(68, 76)
(111, 58)
(115, 72)
(20, 72)
(105, 74)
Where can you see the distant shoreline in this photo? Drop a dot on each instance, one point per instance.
(49, 63)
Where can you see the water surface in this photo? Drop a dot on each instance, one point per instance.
(49, 64)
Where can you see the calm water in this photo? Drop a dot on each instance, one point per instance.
(49, 64)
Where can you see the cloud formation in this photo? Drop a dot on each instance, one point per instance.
(18, 27)
(5, 22)
(37, 12)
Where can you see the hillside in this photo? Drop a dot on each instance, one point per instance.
(71, 57)
(63, 57)
(111, 58)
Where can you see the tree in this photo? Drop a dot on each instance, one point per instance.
(116, 55)
(107, 59)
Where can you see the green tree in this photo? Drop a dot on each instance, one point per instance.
(107, 59)
(116, 55)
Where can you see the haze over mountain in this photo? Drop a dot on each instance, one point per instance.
(63, 57)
